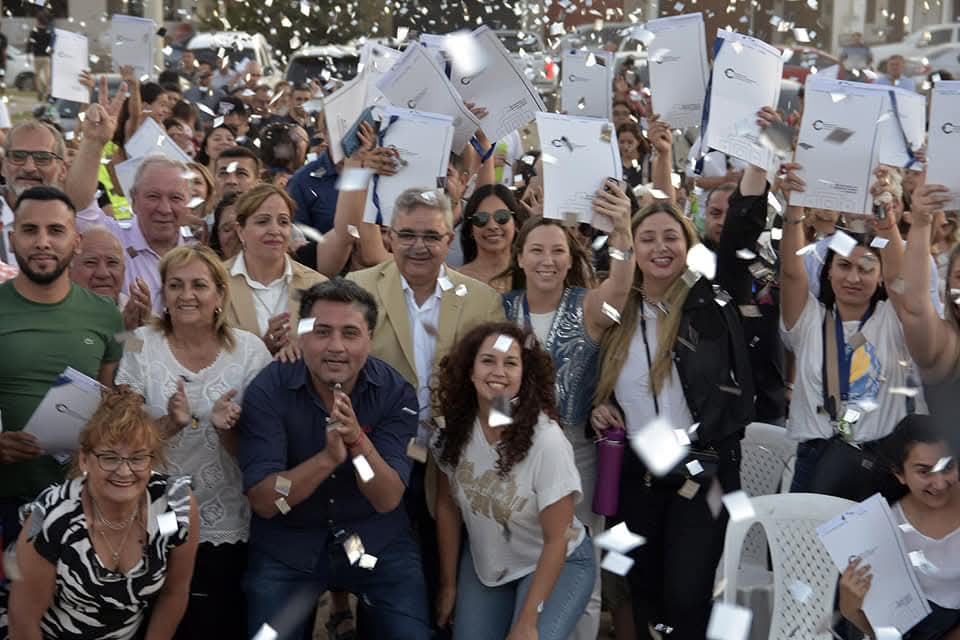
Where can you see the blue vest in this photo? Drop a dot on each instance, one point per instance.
(575, 356)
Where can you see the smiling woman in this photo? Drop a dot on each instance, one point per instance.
(491, 218)
(100, 549)
(193, 365)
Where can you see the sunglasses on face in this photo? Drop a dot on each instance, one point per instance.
(481, 218)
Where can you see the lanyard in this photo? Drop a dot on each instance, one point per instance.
(906, 141)
(646, 348)
(375, 197)
(845, 352)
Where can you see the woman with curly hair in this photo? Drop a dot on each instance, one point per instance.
(527, 567)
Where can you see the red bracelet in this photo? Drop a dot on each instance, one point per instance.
(355, 443)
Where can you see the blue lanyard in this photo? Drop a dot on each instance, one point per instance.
(845, 355)
(705, 116)
(484, 155)
(375, 197)
(906, 140)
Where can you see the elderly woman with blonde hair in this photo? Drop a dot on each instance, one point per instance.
(192, 368)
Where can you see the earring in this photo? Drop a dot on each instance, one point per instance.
(166, 311)
(84, 474)
(217, 311)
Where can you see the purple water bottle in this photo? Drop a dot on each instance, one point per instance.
(606, 494)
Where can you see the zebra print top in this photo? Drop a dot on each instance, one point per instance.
(91, 601)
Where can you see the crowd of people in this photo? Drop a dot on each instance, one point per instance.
(405, 417)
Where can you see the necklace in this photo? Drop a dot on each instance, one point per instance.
(115, 526)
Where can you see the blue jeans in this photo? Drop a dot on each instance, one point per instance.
(488, 613)
(394, 593)
(805, 465)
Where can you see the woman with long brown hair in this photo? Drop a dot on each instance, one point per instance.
(527, 568)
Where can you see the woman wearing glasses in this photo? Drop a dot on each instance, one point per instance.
(192, 366)
(98, 550)
(264, 280)
(491, 219)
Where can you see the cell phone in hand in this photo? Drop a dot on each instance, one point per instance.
(351, 141)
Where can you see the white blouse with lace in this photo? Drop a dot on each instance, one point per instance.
(153, 372)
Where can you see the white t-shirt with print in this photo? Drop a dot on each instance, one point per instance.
(502, 515)
(875, 368)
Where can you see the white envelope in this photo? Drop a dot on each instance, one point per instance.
(944, 139)
(838, 174)
(341, 110)
(132, 44)
(418, 83)
(678, 51)
(499, 86)
(64, 411)
(586, 85)
(151, 138)
(70, 54)
(423, 141)
(869, 531)
(746, 78)
(576, 161)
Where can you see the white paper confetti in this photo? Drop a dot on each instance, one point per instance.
(353, 547)
(657, 446)
(266, 632)
(282, 486)
(746, 254)
(619, 538)
(879, 243)
(282, 506)
(305, 325)
(416, 451)
(503, 343)
(738, 505)
(186, 232)
(919, 560)
(367, 562)
(364, 470)
(800, 591)
(682, 437)
(886, 633)
(842, 243)
(461, 290)
(617, 563)
(729, 622)
(942, 464)
(309, 232)
(703, 261)
(167, 523)
(353, 231)
(910, 392)
(694, 467)
(611, 312)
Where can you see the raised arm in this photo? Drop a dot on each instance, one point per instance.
(615, 290)
(793, 277)
(97, 129)
(662, 166)
(932, 341)
(486, 170)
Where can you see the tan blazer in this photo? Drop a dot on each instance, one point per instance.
(242, 311)
(393, 338)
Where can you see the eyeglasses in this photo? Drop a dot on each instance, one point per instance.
(40, 158)
(409, 238)
(110, 462)
(481, 218)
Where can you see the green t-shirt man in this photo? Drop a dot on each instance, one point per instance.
(37, 342)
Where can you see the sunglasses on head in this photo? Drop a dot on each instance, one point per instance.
(481, 218)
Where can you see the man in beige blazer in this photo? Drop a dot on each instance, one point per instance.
(424, 309)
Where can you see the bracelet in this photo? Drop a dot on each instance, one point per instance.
(787, 220)
(355, 443)
(884, 228)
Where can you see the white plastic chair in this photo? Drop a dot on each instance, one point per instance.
(790, 522)
(766, 453)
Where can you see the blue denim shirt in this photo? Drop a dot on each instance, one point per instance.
(284, 423)
(316, 197)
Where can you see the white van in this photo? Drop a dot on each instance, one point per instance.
(237, 46)
(920, 43)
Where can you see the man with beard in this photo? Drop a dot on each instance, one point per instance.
(47, 323)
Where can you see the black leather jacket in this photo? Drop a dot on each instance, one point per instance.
(714, 365)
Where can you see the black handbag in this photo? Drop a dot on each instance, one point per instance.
(844, 469)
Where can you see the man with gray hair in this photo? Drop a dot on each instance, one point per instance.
(424, 310)
(159, 202)
(34, 154)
